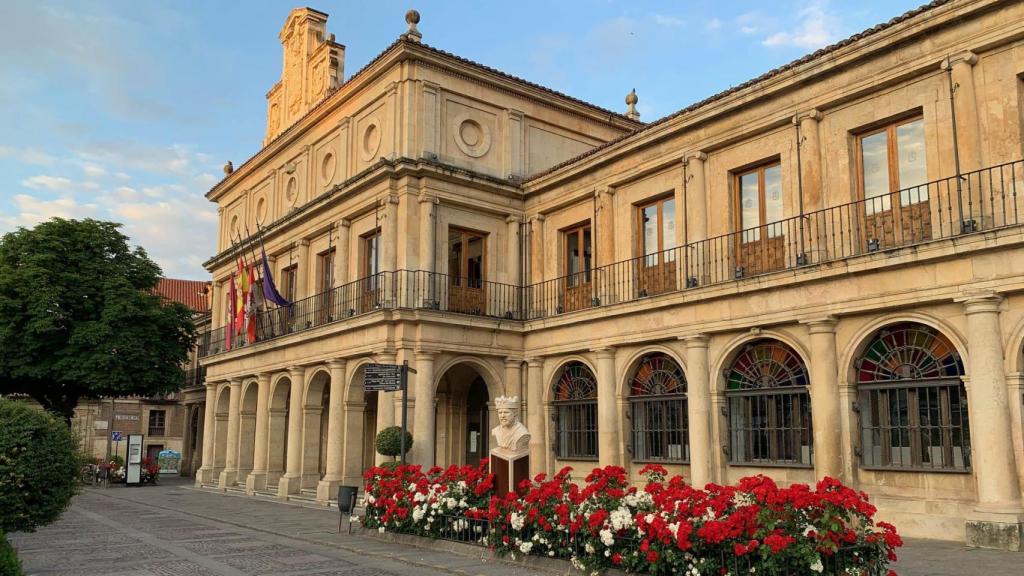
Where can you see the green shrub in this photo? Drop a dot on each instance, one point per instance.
(9, 563)
(39, 466)
(389, 441)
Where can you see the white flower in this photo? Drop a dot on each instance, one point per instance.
(417, 514)
(620, 518)
(817, 566)
(551, 553)
(606, 537)
(607, 553)
(381, 529)
(451, 502)
(517, 521)
(525, 547)
(589, 548)
(807, 530)
(412, 487)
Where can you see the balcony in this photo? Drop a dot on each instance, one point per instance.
(972, 203)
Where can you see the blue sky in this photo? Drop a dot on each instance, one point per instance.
(127, 111)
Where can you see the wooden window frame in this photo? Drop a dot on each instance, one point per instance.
(659, 201)
(290, 280)
(891, 153)
(365, 253)
(587, 273)
(465, 234)
(738, 195)
(163, 423)
(325, 264)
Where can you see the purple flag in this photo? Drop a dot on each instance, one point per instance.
(269, 290)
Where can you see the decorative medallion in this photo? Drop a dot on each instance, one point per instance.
(261, 210)
(291, 190)
(472, 137)
(370, 142)
(327, 166)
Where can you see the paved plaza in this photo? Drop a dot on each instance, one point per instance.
(176, 530)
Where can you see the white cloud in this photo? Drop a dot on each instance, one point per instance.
(122, 176)
(32, 210)
(27, 155)
(815, 27)
(667, 20)
(93, 170)
(713, 25)
(48, 182)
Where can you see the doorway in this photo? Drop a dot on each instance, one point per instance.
(478, 430)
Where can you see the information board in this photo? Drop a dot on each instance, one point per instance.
(382, 377)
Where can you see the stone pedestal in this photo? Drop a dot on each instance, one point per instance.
(510, 467)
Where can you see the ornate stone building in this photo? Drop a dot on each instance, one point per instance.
(817, 272)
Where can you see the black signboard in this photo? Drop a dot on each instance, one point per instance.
(382, 377)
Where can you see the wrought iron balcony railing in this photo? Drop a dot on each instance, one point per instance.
(977, 201)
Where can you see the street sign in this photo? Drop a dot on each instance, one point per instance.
(382, 377)
(116, 436)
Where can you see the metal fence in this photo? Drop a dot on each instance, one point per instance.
(977, 201)
(481, 532)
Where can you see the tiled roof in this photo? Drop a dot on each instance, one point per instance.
(191, 293)
(771, 73)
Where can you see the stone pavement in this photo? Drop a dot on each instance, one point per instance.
(176, 530)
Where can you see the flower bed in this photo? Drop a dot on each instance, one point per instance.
(663, 527)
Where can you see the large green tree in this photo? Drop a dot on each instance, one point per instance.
(79, 318)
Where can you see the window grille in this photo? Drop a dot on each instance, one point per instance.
(912, 402)
(575, 402)
(769, 407)
(658, 411)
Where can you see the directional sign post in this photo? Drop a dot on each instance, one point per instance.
(391, 378)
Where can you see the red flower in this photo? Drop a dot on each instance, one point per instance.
(616, 558)
(652, 556)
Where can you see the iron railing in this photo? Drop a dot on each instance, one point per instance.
(978, 201)
(481, 532)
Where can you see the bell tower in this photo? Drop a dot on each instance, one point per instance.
(313, 65)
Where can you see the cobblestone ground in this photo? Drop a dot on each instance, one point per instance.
(175, 530)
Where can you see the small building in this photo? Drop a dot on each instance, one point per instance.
(161, 420)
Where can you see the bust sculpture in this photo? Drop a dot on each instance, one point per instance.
(510, 434)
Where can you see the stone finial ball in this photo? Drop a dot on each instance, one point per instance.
(412, 17)
(631, 97)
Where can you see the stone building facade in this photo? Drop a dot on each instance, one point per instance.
(817, 272)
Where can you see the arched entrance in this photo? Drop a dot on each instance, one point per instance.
(247, 431)
(220, 435)
(315, 413)
(463, 418)
(277, 437)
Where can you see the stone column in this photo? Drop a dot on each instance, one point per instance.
(604, 228)
(205, 473)
(996, 521)
(965, 104)
(608, 451)
(512, 248)
(341, 254)
(302, 273)
(289, 483)
(810, 159)
(698, 399)
(389, 234)
(696, 198)
(257, 479)
(826, 421)
(385, 406)
(228, 476)
(327, 486)
(424, 433)
(217, 305)
(514, 379)
(537, 272)
(428, 232)
(535, 415)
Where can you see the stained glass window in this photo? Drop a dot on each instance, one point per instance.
(913, 405)
(575, 402)
(769, 407)
(658, 410)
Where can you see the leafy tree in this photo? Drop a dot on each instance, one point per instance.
(78, 317)
(9, 563)
(389, 441)
(39, 466)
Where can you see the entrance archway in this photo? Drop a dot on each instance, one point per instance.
(465, 395)
(277, 436)
(315, 413)
(247, 431)
(220, 436)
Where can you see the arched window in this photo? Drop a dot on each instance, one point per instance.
(769, 408)
(912, 401)
(657, 401)
(575, 402)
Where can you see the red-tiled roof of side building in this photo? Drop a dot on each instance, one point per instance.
(191, 293)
